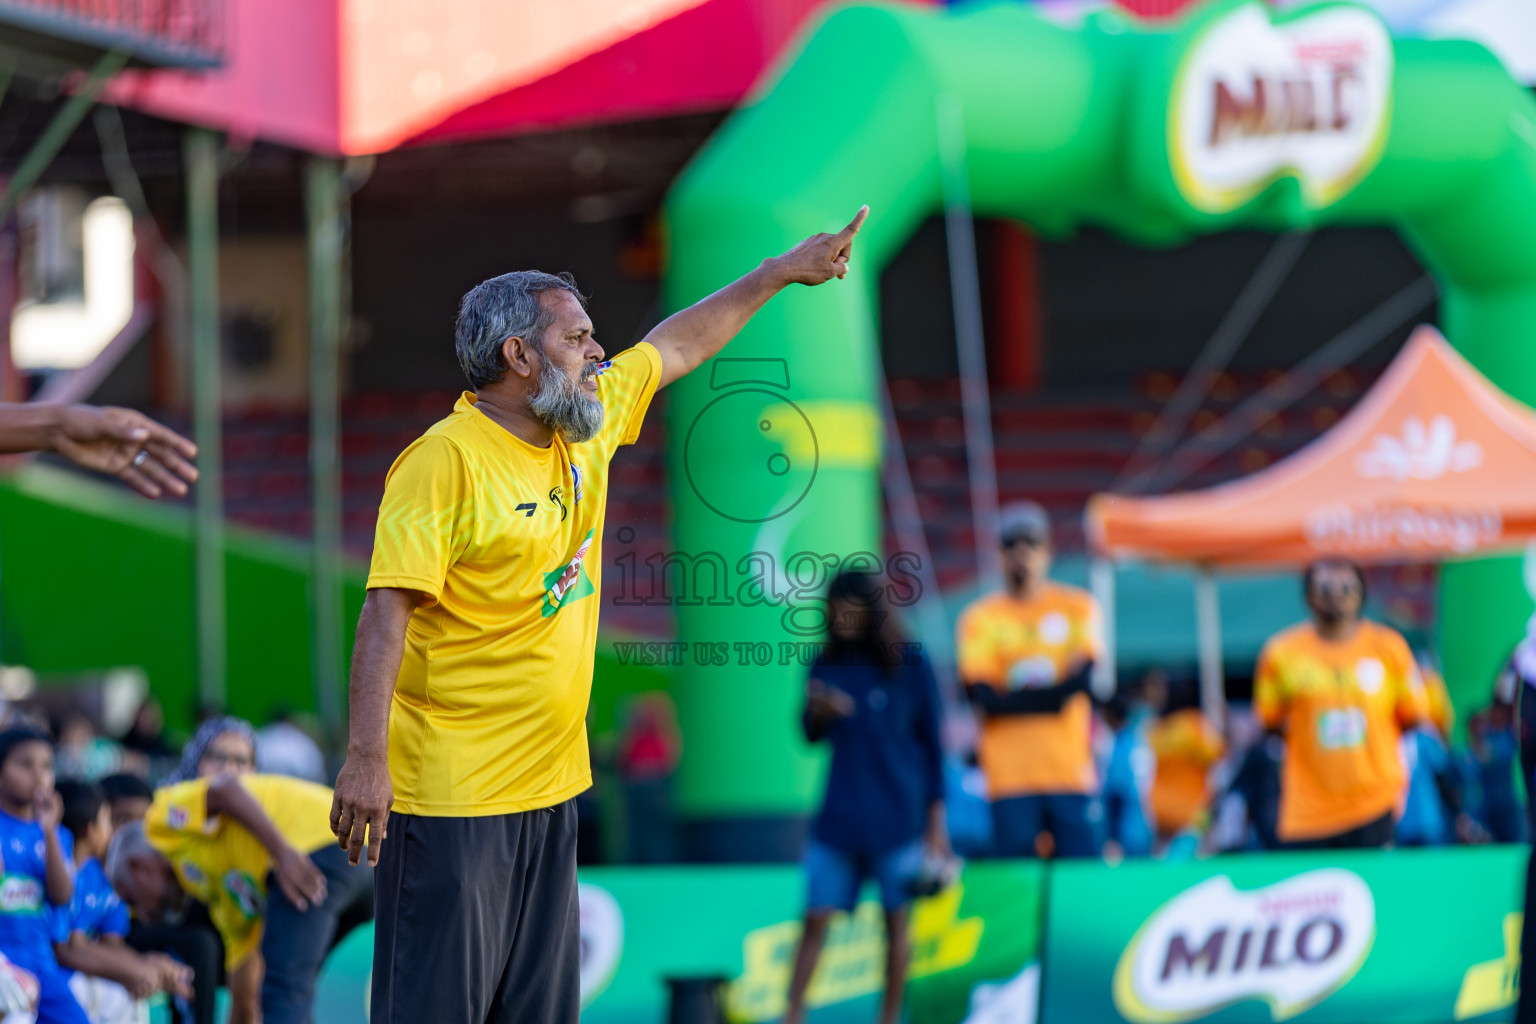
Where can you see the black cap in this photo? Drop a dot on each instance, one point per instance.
(1023, 520)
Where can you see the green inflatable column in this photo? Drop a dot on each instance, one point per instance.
(1469, 117)
(802, 160)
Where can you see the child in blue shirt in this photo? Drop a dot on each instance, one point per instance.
(37, 878)
(109, 976)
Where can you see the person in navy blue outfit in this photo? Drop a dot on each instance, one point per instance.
(872, 697)
(38, 880)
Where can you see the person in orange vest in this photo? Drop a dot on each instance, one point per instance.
(1025, 654)
(1341, 690)
(1186, 746)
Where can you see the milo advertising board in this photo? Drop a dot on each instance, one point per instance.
(974, 947)
(1408, 936)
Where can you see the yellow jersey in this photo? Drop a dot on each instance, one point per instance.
(1010, 644)
(221, 863)
(503, 539)
(1342, 707)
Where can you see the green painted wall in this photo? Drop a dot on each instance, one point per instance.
(92, 578)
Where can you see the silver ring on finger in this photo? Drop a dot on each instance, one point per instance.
(141, 458)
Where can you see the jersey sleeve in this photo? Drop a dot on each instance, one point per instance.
(1092, 639)
(1412, 701)
(1269, 698)
(625, 385)
(425, 519)
(178, 817)
(974, 650)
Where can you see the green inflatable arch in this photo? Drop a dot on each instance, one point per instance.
(1157, 132)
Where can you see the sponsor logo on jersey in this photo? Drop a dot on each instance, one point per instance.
(20, 894)
(247, 894)
(569, 582)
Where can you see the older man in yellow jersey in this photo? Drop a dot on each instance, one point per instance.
(1341, 689)
(1025, 655)
(256, 851)
(473, 662)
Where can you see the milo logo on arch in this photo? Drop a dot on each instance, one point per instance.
(1291, 944)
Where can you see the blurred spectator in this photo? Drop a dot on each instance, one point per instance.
(1248, 814)
(222, 745)
(967, 810)
(81, 753)
(1127, 772)
(1341, 690)
(648, 754)
(1512, 692)
(1434, 812)
(109, 978)
(1495, 746)
(1025, 655)
(128, 798)
(1439, 712)
(283, 747)
(146, 736)
(875, 701)
(1186, 746)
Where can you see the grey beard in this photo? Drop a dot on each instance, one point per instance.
(562, 405)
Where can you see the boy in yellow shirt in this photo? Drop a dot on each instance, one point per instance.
(258, 851)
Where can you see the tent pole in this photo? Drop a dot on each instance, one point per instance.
(1208, 633)
(1101, 581)
(325, 199)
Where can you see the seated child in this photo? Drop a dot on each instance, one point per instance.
(37, 878)
(109, 977)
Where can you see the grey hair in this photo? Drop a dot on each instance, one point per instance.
(498, 309)
(129, 843)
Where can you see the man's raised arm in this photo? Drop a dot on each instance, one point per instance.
(690, 336)
(360, 808)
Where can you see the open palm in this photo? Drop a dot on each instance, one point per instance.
(150, 458)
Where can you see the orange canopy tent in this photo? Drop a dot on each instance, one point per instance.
(1434, 463)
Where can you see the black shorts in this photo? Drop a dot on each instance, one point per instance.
(477, 920)
(1372, 835)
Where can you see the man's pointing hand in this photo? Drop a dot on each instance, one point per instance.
(821, 257)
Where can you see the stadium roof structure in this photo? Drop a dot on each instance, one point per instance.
(353, 77)
(1434, 463)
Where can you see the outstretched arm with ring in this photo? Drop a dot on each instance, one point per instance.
(152, 459)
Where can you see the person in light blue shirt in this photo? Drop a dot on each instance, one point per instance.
(38, 878)
(1434, 792)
